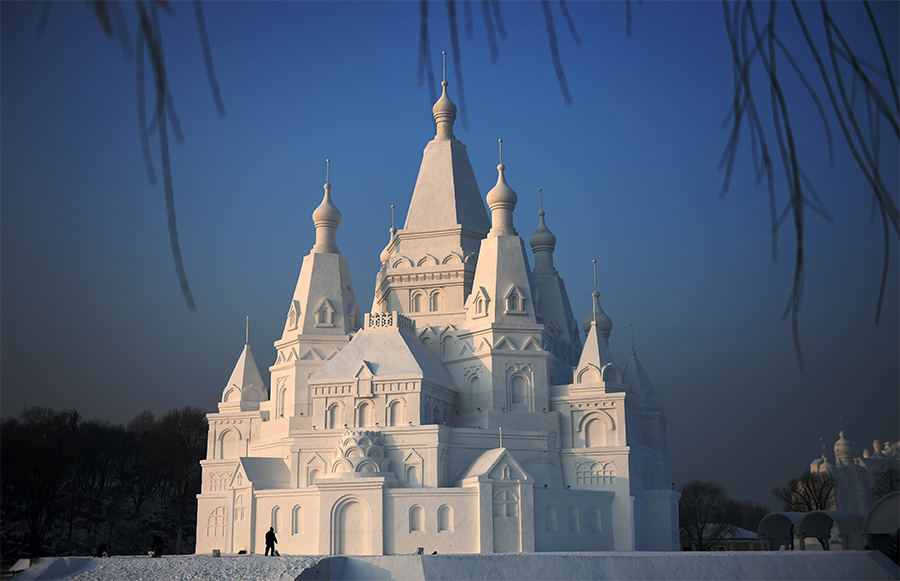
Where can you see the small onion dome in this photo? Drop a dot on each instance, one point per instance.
(843, 449)
(543, 238)
(327, 212)
(444, 115)
(604, 323)
(444, 109)
(501, 194)
(386, 253)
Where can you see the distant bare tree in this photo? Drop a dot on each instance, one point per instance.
(748, 514)
(812, 491)
(705, 514)
(887, 480)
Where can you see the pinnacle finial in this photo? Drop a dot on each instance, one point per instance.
(595, 275)
(500, 141)
(444, 54)
(392, 217)
(541, 198)
(327, 171)
(632, 338)
(247, 334)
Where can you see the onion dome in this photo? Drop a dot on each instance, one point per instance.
(604, 323)
(843, 450)
(386, 253)
(444, 111)
(502, 201)
(543, 238)
(326, 218)
(327, 212)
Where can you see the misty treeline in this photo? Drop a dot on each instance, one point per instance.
(706, 515)
(69, 484)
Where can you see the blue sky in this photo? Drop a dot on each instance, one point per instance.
(93, 317)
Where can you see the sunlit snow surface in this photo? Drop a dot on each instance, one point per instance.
(622, 565)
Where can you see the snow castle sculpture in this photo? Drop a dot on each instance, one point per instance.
(462, 414)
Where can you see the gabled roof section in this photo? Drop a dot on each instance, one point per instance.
(245, 386)
(386, 352)
(265, 473)
(638, 381)
(485, 466)
(446, 193)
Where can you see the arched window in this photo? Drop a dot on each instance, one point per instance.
(445, 519)
(276, 519)
(518, 387)
(415, 519)
(474, 391)
(594, 434)
(279, 404)
(512, 302)
(297, 520)
(412, 476)
(434, 301)
(311, 476)
(550, 518)
(333, 418)
(229, 444)
(574, 521)
(479, 306)
(506, 504)
(395, 413)
(215, 524)
(447, 346)
(239, 507)
(364, 415)
(415, 303)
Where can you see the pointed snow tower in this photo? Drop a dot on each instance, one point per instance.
(552, 299)
(501, 316)
(321, 319)
(428, 266)
(245, 388)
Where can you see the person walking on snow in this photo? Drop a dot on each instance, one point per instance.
(270, 542)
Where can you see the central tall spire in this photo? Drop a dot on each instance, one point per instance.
(446, 194)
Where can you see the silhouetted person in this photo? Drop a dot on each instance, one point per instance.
(270, 542)
(102, 550)
(156, 548)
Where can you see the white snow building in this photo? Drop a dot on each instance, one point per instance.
(461, 415)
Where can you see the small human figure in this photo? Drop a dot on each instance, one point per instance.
(420, 551)
(156, 548)
(270, 542)
(102, 550)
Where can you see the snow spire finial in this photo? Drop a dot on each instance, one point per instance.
(632, 337)
(327, 171)
(541, 200)
(392, 217)
(500, 141)
(501, 437)
(596, 292)
(444, 110)
(247, 333)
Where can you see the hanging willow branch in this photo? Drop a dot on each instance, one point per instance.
(751, 43)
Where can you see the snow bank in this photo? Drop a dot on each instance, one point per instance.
(174, 568)
(641, 565)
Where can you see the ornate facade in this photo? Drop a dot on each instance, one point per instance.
(462, 414)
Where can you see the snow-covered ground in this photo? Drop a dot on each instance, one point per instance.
(641, 565)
